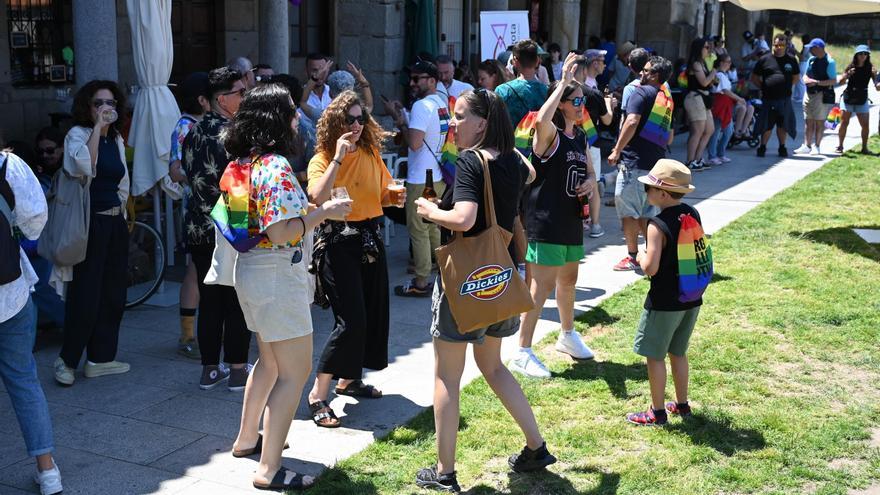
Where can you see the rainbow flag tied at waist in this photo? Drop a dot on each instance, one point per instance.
(694, 260)
(230, 213)
(659, 125)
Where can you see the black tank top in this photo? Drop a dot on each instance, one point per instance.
(552, 204)
(663, 294)
(693, 83)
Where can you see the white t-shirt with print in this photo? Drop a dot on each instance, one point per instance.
(723, 83)
(454, 90)
(430, 116)
(317, 103)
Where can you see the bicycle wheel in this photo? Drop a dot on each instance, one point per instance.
(146, 263)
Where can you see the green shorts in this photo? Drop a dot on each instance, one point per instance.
(665, 332)
(544, 253)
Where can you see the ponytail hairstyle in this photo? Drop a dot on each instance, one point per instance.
(499, 131)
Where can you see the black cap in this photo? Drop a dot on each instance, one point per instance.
(747, 35)
(423, 67)
(195, 85)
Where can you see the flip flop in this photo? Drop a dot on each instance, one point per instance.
(358, 388)
(256, 449)
(286, 479)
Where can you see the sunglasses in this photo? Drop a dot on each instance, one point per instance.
(577, 101)
(98, 103)
(351, 119)
(47, 151)
(239, 92)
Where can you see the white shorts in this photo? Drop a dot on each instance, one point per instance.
(275, 294)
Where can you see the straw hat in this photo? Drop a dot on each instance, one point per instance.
(669, 175)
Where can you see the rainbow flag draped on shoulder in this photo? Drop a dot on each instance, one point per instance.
(230, 214)
(659, 125)
(448, 151)
(589, 128)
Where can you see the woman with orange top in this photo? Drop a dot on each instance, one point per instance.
(350, 256)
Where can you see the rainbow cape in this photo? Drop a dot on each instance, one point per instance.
(694, 260)
(230, 213)
(833, 118)
(659, 124)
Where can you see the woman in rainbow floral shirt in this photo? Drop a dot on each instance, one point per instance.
(272, 279)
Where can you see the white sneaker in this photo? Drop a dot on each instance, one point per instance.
(596, 230)
(49, 481)
(803, 149)
(724, 159)
(528, 364)
(814, 150)
(570, 343)
(92, 370)
(63, 374)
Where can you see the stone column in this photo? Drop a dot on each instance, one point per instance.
(626, 21)
(593, 26)
(565, 23)
(274, 35)
(494, 5)
(95, 53)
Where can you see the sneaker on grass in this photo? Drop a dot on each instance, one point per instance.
(531, 460)
(431, 479)
(212, 376)
(526, 363)
(683, 410)
(570, 343)
(648, 418)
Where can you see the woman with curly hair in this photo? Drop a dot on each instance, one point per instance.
(272, 280)
(350, 255)
(94, 152)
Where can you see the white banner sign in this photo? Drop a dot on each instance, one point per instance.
(500, 29)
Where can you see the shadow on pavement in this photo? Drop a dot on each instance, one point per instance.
(844, 239)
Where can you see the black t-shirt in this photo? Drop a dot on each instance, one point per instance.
(663, 294)
(777, 75)
(640, 153)
(509, 175)
(594, 102)
(552, 205)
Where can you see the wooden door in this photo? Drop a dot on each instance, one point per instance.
(195, 28)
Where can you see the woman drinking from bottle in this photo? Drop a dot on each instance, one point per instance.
(271, 279)
(350, 257)
(554, 218)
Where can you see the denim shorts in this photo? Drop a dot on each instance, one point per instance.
(443, 326)
(863, 108)
(630, 197)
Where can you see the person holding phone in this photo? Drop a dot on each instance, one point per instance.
(353, 270)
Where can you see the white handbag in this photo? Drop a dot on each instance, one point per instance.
(222, 271)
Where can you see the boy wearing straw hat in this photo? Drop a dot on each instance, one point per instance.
(666, 324)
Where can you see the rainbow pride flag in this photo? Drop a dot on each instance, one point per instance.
(589, 128)
(659, 124)
(230, 214)
(449, 151)
(694, 260)
(682, 79)
(524, 133)
(833, 118)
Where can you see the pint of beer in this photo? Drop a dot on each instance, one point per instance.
(397, 191)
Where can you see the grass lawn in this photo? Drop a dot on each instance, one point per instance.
(785, 374)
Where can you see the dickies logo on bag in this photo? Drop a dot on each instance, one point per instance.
(487, 282)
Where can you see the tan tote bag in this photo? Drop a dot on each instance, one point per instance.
(480, 280)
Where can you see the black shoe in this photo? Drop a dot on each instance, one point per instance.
(429, 478)
(531, 460)
(783, 152)
(762, 150)
(695, 165)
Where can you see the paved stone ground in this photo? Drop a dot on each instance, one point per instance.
(153, 431)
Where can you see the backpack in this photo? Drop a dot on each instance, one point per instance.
(230, 213)
(10, 255)
(695, 267)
